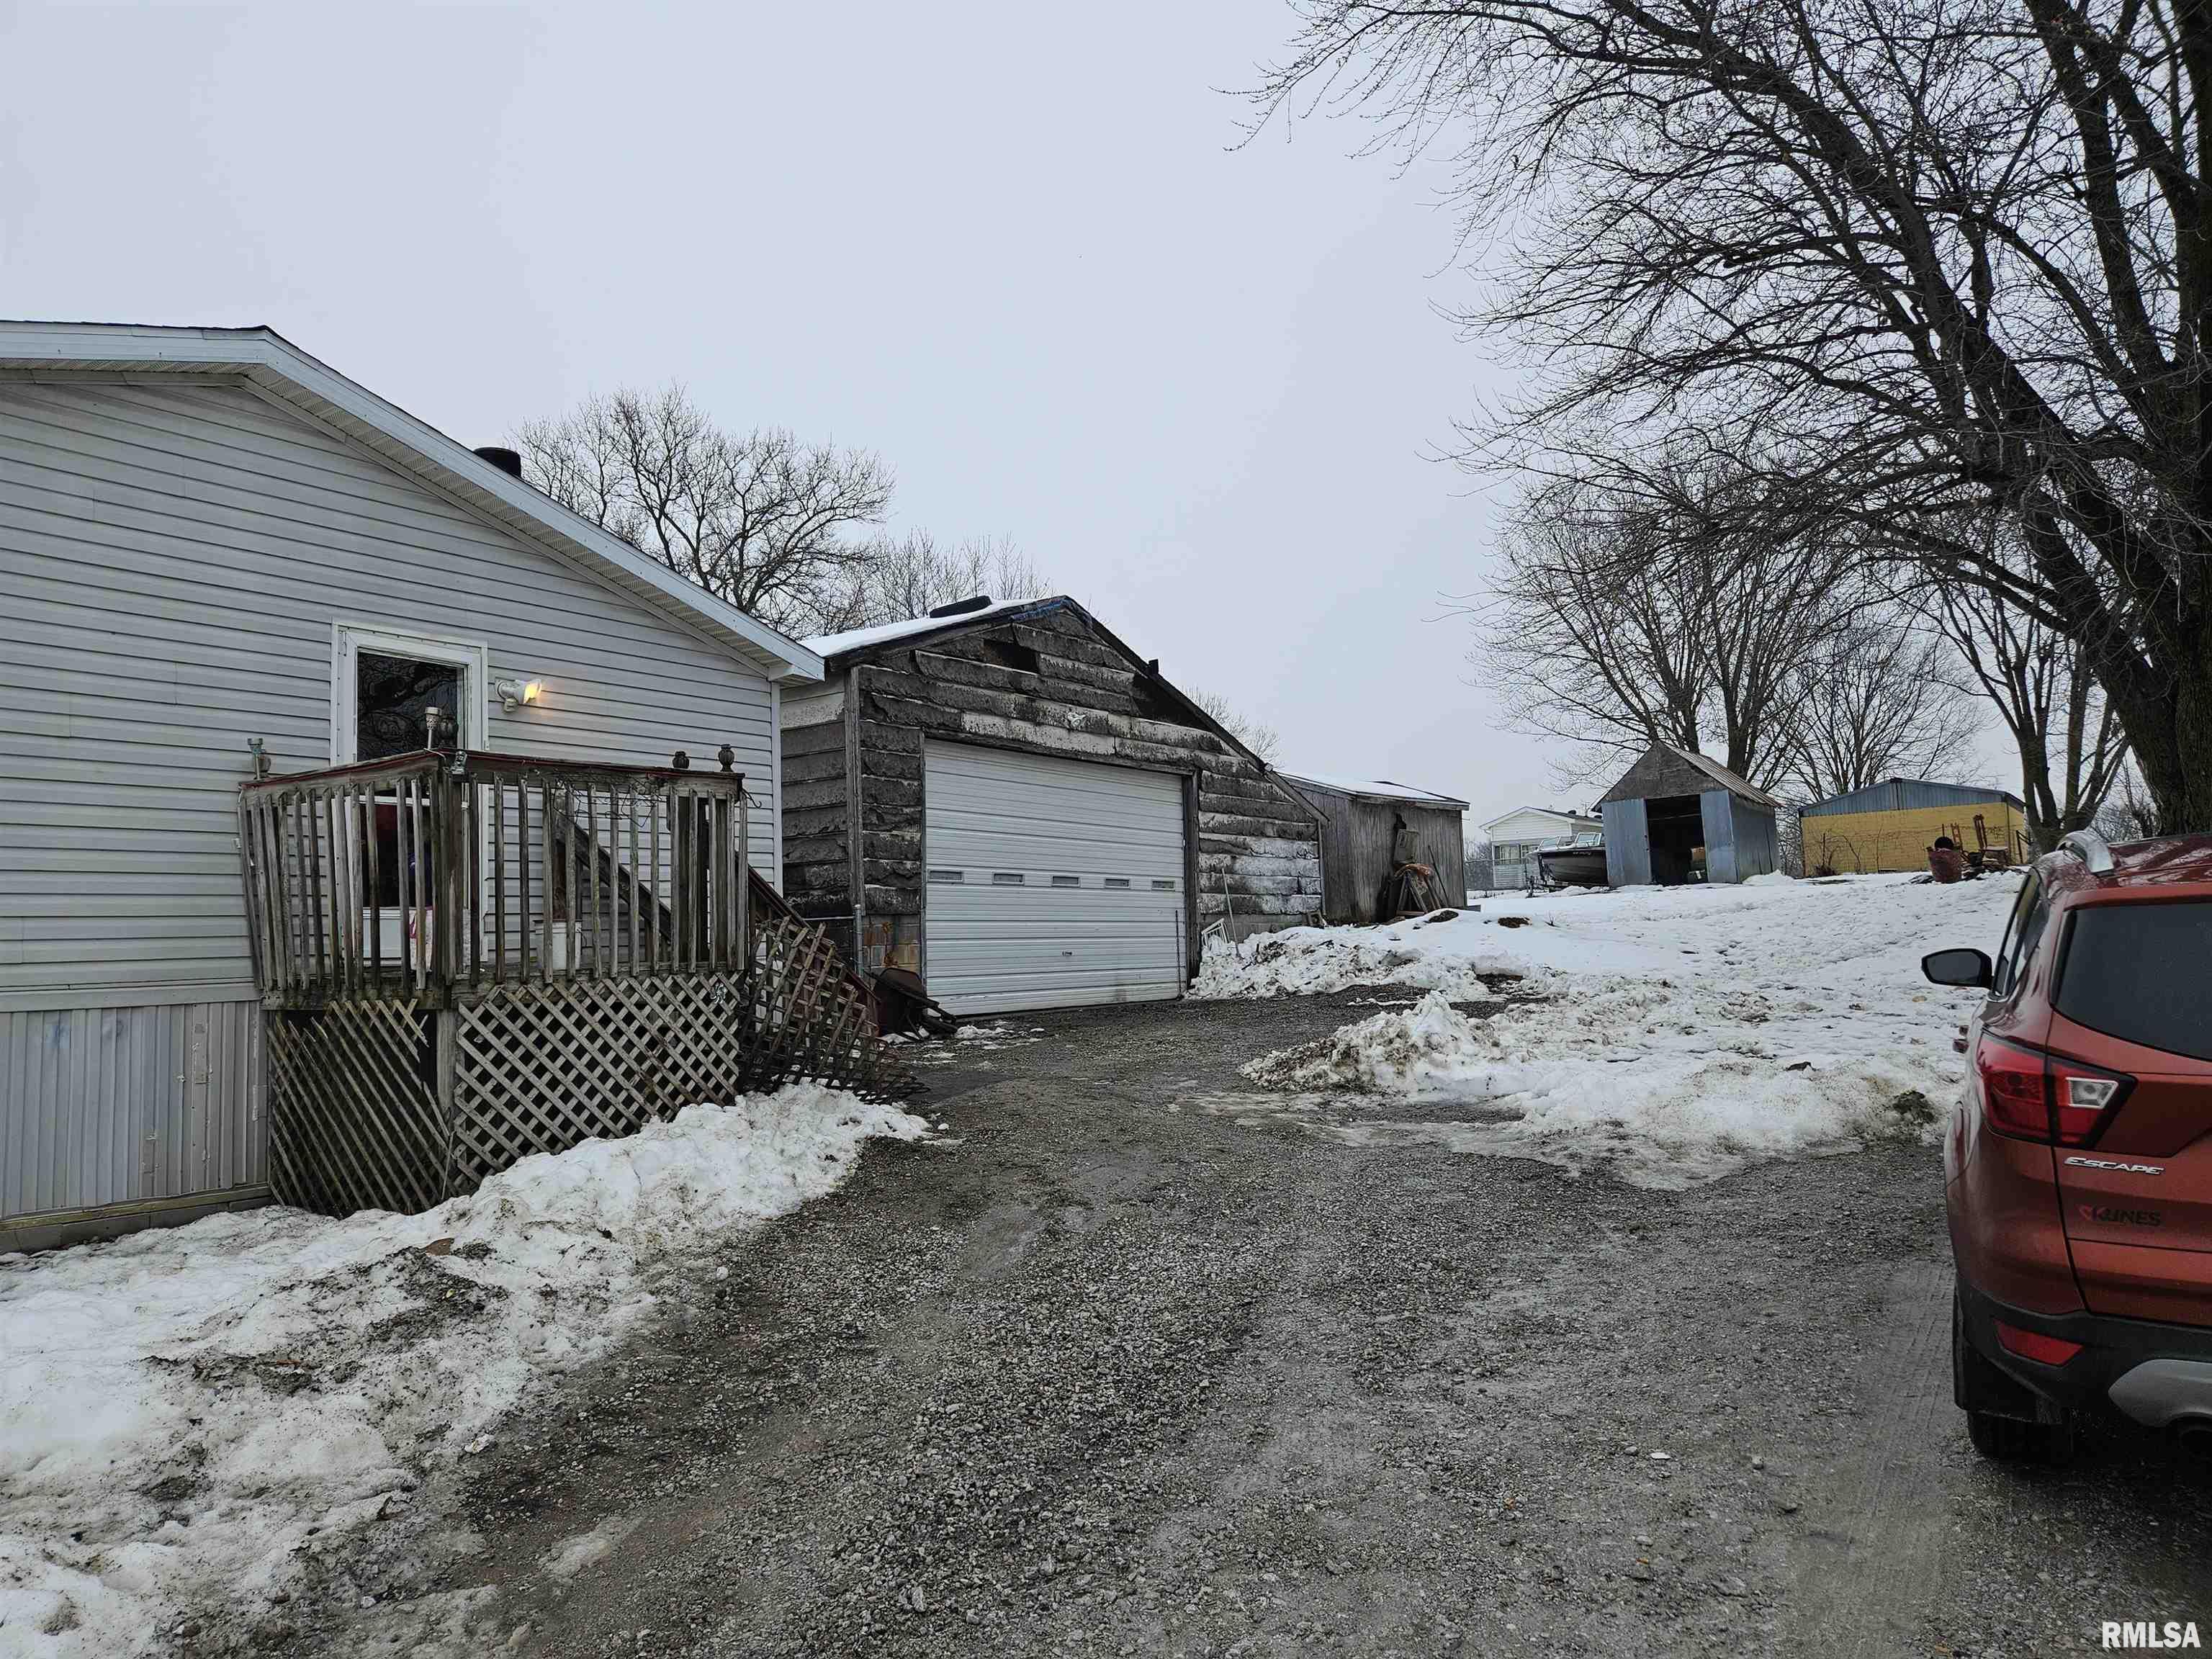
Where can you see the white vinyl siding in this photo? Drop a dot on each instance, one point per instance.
(173, 557)
(1050, 883)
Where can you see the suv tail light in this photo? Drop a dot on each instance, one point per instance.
(2033, 1095)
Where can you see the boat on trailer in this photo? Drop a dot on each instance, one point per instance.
(1580, 866)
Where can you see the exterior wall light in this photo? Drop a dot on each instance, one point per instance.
(515, 694)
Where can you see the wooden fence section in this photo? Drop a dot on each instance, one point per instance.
(466, 959)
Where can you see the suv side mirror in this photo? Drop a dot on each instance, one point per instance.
(1969, 969)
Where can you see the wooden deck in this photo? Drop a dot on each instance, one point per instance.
(465, 958)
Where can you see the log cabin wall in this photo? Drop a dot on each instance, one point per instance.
(1047, 680)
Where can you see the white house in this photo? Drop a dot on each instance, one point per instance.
(213, 546)
(1514, 837)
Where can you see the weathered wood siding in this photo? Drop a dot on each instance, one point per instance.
(818, 801)
(1257, 854)
(1358, 838)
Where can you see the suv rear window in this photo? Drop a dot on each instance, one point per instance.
(2138, 972)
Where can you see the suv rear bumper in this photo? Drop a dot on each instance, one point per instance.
(2157, 1374)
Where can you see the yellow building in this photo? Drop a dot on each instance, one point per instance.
(1891, 825)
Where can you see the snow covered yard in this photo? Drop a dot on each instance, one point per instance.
(182, 1412)
(1673, 1033)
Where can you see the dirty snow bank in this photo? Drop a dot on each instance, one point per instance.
(1307, 961)
(1681, 1033)
(181, 1411)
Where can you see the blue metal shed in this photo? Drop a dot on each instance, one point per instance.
(1674, 804)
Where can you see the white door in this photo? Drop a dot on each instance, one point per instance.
(1052, 883)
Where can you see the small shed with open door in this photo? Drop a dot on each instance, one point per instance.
(1678, 816)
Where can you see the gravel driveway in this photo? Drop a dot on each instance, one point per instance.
(1116, 1374)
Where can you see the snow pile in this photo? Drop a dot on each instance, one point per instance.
(1307, 961)
(1401, 1052)
(181, 1411)
(1682, 1033)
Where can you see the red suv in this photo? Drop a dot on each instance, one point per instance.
(2078, 1167)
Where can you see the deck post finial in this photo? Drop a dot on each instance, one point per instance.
(680, 761)
(728, 756)
(261, 758)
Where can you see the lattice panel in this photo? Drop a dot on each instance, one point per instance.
(354, 1123)
(812, 1018)
(543, 1066)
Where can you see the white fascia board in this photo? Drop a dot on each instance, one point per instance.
(278, 366)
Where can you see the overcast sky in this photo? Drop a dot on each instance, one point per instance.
(1019, 257)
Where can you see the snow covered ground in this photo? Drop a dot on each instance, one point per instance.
(1673, 1034)
(182, 1413)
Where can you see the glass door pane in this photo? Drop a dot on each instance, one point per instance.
(392, 695)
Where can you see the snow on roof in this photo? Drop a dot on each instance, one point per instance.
(856, 638)
(1560, 812)
(1379, 786)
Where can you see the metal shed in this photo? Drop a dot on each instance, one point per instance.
(1359, 820)
(1890, 826)
(1677, 817)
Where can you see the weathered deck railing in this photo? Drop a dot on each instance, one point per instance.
(470, 958)
(431, 875)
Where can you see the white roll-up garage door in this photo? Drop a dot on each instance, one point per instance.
(1051, 883)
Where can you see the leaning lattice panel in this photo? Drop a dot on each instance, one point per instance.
(812, 1018)
(354, 1123)
(539, 1068)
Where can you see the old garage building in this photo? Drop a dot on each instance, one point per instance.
(1007, 800)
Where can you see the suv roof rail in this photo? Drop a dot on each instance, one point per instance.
(2090, 848)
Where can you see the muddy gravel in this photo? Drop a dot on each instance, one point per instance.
(1105, 1371)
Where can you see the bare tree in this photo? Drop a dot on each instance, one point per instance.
(1587, 635)
(760, 519)
(1632, 607)
(2071, 748)
(1876, 699)
(2127, 813)
(1261, 739)
(1902, 262)
(911, 576)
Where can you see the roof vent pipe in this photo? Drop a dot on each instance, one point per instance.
(961, 607)
(509, 461)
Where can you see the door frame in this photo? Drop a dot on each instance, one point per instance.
(349, 639)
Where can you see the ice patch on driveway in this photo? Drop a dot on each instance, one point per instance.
(572, 1555)
(1786, 1020)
